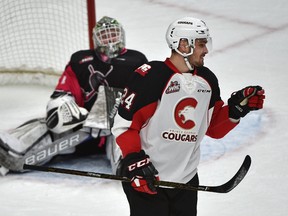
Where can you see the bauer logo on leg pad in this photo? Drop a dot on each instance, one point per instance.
(53, 150)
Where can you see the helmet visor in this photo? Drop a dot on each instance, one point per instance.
(207, 41)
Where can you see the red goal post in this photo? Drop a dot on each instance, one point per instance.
(37, 37)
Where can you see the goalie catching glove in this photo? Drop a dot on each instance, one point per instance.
(245, 100)
(138, 167)
(64, 114)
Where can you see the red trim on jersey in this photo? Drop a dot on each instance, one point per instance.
(140, 118)
(123, 51)
(68, 82)
(124, 142)
(171, 65)
(220, 123)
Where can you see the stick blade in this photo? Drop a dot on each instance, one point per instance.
(236, 179)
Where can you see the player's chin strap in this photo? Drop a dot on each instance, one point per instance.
(185, 56)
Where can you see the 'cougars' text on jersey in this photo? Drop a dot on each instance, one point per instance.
(167, 113)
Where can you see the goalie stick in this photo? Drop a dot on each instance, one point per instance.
(224, 188)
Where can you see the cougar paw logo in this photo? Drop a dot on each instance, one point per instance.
(184, 113)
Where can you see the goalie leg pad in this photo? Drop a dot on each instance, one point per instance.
(14, 144)
(3, 170)
(24, 137)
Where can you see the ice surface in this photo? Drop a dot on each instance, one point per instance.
(249, 40)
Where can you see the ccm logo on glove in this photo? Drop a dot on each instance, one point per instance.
(139, 164)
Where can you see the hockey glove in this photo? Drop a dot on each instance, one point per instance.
(141, 171)
(64, 114)
(243, 101)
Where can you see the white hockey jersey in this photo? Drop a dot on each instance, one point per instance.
(167, 113)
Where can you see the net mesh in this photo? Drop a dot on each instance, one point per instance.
(37, 37)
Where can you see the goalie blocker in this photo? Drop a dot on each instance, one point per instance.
(66, 126)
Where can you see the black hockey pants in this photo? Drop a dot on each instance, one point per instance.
(167, 202)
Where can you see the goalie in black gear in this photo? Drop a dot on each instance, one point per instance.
(84, 103)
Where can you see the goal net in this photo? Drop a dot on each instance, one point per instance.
(37, 38)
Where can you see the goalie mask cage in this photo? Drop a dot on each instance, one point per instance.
(37, 38)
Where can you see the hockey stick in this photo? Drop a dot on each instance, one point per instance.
(224, 188)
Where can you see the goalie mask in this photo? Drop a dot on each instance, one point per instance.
(187, 28)
(108, 37)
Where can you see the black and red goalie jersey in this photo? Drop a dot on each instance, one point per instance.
(86, 71)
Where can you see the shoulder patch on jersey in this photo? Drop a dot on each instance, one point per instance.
(143, 69)
(174, 86)
(86, 59)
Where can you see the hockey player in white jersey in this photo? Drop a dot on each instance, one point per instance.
(166, 110)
